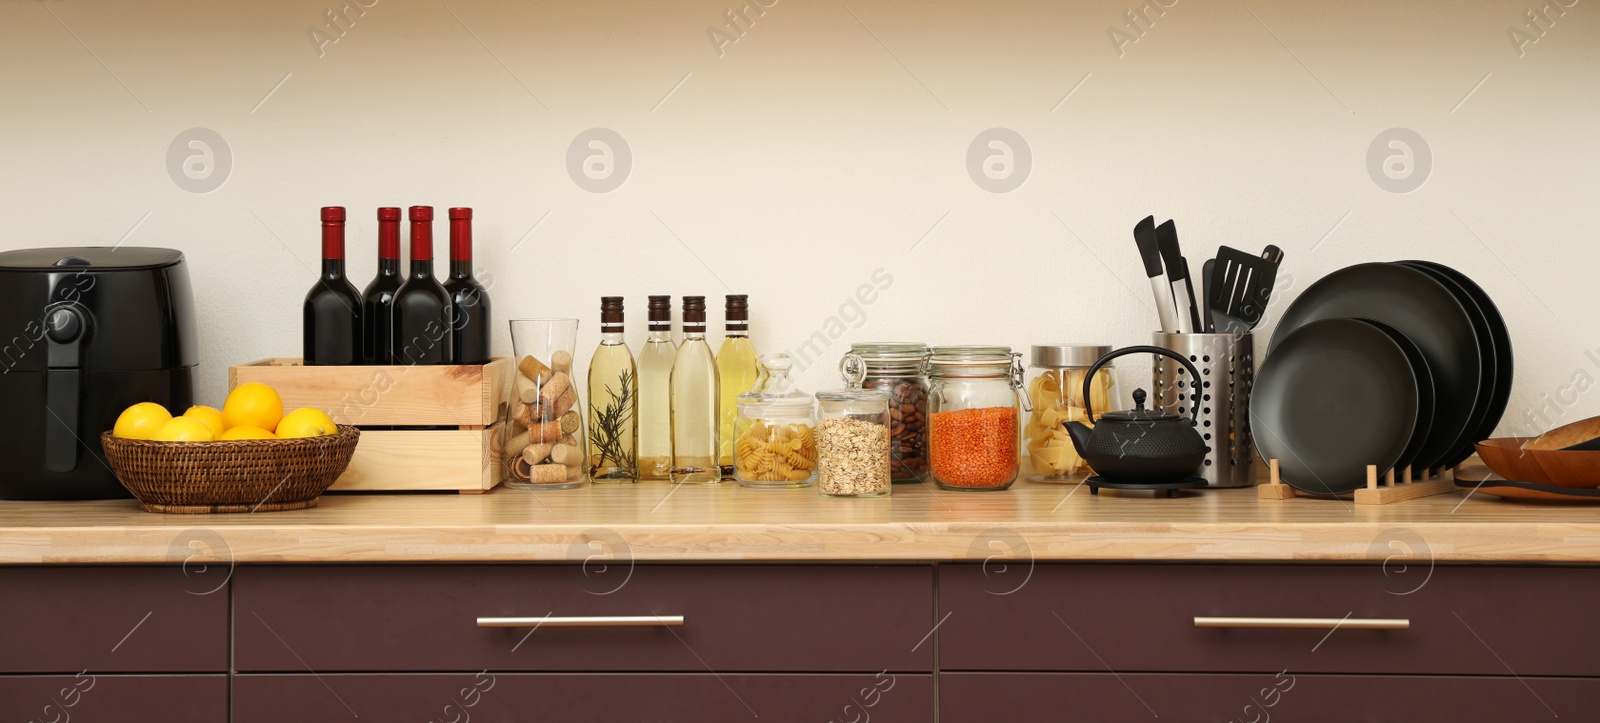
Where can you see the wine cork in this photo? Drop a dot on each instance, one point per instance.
(544, 431)
(548, 473)
(517, 442)
(527, 390)
(521, 469)
(554, 389)
(569, 439)
(536, 453)
(561, 361)
(521, 413)
(566, 454)
(534, 370)
(565, 402)
(569, 422)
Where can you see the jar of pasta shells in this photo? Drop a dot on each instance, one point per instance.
(1057, 395)
(774, 436)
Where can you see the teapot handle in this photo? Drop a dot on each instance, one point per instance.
(1088, 378)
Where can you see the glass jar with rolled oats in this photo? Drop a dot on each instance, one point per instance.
(853, 440)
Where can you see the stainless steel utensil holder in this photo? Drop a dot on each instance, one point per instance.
(1227, 372)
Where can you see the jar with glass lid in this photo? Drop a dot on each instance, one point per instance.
(853, 439)
(775, 443)
(896, 368)
(1056, 391)
(974, 395)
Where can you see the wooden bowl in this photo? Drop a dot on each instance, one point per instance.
(1558, 467)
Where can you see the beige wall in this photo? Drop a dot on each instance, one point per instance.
(822, 145)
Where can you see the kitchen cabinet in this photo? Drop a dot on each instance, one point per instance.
(112, 619)
(88, 697)
(487, 697)
(1090, 618)
(1258, 698)
(814, 618)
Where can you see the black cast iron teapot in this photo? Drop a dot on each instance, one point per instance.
(1140, 446)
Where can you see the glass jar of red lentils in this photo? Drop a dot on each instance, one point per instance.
(973, 411)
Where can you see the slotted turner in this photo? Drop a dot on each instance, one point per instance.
(1242, 287)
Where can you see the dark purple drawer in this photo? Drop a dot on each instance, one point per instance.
(1091, 618)
(1259, 698)
(91, 698)
(520, 697)
(736, 618)
(113, 619)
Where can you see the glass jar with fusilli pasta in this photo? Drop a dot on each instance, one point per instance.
(775, 434)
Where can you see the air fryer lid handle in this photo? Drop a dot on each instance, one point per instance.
(66, 325)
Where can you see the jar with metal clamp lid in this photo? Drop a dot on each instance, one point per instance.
(896, 368)
(974, 396)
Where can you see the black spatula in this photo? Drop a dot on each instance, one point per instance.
(1243, 288)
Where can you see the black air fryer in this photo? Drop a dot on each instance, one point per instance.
(86, 332)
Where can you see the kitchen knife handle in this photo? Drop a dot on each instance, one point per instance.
(1304, 623)
(585, 621)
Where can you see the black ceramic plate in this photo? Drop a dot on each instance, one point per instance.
(1335, 396)
(1419, 366)
(1415, 304)
(1496, 388)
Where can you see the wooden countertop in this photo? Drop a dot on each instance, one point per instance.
(655, 521)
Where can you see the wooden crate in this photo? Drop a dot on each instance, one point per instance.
(469, 401)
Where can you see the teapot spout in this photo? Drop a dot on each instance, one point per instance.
(1080, 435)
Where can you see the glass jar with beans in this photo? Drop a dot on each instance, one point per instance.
(974, 437)
(896, 368)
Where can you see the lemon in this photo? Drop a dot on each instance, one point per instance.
(306, 422)
(252, 404)
(210, 416)
(183, 429)
(141, 420)
(246, 433)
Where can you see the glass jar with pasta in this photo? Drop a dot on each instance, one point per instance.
(775, 434)
(1057, 394)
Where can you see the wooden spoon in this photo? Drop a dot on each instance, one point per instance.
(1568, 436)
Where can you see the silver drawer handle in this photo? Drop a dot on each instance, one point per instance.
(1305, 623)
(588, 621)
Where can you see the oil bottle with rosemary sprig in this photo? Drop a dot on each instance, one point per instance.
(613, 401)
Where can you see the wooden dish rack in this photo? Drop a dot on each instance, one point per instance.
(423, 428)
(1380, 490)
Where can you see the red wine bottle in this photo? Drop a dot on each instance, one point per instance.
(469, 301)
(421, 306)
(377, 308)
(332, 318)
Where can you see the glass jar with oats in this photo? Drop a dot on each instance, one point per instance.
(775, 433)
(853, 453)
(1056, 391)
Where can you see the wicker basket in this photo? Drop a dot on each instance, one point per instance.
(233, 476)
